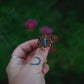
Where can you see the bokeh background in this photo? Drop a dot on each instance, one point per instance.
(64, 17)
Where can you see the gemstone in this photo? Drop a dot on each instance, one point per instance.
(45, 42)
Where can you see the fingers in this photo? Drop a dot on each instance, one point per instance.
(39, 57)
(29, 57)
(38, 60)
(45, 69)
(42, 53)
(23, 49)
(21, 52)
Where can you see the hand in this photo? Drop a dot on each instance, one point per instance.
(28, 64)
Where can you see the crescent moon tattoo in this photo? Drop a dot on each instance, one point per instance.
(39, 61)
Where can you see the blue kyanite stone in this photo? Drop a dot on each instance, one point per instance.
(45, 42)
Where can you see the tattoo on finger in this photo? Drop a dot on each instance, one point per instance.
(38, 63)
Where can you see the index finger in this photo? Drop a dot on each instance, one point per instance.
(26, 47)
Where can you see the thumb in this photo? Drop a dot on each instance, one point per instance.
(38, 59)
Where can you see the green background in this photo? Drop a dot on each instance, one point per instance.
(65, 17)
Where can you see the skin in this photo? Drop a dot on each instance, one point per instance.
(30, 67)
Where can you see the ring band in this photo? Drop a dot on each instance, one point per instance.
(15, 57)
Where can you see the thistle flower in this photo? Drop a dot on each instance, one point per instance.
(31, 24)
(46, 30)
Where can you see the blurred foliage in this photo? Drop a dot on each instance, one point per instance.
(66, 17)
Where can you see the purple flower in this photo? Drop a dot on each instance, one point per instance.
(31, 24)
(46, 30)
